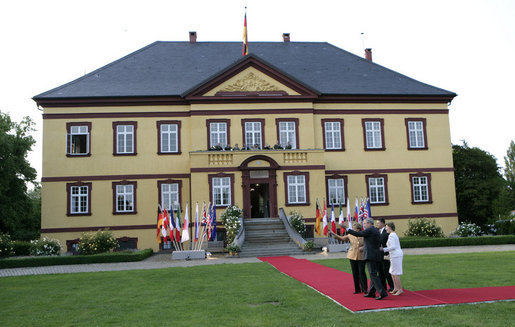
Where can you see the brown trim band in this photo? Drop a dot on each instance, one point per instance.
(95, 228)
(112, 177)
(379, 111)
(382, 171)
(226, 169)
(117, 115)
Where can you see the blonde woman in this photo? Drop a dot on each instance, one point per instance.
(355, 256)
(393, 245)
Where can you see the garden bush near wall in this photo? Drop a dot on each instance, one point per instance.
(21, 248)
(99, 242)
(423, 227)
(297, 223)
(6, 245)
(45, 246)
(467, 229)
(505, 227)
(424, 242)
(231, 221)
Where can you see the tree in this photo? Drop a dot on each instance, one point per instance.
(478, 183)
(15, 174)
(509, 173)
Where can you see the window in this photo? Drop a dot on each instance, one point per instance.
(79, 199)
(297, 188)
(287, 132)
(377, 189)
(218, 132)
(124, 197)
(127, 243)
(168, 135)
(373, 134)
(222, 189)
(253, 132)
(420, 188)
(169, 194)
(416, 131)
(333, 134)
(336, 186)
(78, 139)
(124, 138)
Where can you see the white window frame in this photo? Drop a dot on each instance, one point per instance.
(125, 193)
(377, 189)
(287, 134)
(169, 138)
(217, 134)
(221, 190)
(77, 130)
(124, 133)
(79, 196)
(373, 135)
(420, 188)
(296, 189)
(416, 134)
(170, 196)
(336, 186)
(333, 137)
(253, 134)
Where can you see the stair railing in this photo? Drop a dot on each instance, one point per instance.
(299, 240)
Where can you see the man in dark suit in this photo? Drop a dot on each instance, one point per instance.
(373, 257)
(384, 271)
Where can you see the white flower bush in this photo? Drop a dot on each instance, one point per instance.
(231, 221)
(297, 222)
(45, 246)
(467, 229)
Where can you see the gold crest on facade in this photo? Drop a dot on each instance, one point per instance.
(251, 83)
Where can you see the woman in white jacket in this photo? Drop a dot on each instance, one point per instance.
(393, 245)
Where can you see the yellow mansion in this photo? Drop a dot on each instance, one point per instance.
(289, 123)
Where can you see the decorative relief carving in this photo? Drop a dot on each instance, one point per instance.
(249, 83)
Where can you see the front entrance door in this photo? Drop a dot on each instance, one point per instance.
(259, 200)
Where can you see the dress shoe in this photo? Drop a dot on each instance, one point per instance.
(368, 295)
(356, 292)
(382, 296)
(391, 290)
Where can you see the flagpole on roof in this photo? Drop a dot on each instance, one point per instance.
(245, 40)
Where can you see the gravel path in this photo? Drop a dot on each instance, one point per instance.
(159, 261)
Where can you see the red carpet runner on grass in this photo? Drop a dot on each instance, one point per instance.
(338, 285)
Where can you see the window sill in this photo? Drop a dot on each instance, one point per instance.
(125, 213)
(375, 149)
(424, 148)
(168, 153)
(124, 154)
(78, 214)
(422, 202)
(335, 150)
(380, 204)
(78, 155)
(296, 204)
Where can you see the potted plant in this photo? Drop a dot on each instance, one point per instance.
(308, 246)
(233, 250)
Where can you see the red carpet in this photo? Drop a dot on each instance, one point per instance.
(339, 286)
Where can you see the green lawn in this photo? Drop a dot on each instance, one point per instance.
(244, 295)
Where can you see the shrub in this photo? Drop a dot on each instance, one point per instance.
(297, 222)
(309, 245)
(45, 246)
(505, 227)
(423, 242)
(423, 227)
(467, 229)
(21, 248)
(6, 245)
(231, 221)
(99, 242)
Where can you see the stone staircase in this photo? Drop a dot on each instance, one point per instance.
(266, 237)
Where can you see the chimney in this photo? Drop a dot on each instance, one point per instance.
(368, 54)
(193, 37)
(286, 37)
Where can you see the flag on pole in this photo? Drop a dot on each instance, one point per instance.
(163, 227)
(159, 223)
(196, 223)
(213, 224)
(356, 211)
(318, 218)
(172, 225)
(208, 222)
(348, 214)
(341, 219)
(324, 220)
(333, 219)
(178, 224)
(361, 210)
(245, 42)
(367, 208)
(186, 227)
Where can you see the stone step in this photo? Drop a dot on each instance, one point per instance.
(270, 233)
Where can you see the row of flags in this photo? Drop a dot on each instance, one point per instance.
(361, 212)
(169, 227)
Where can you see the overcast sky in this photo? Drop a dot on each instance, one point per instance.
(467, 47)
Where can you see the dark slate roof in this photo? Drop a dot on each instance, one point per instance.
(173, 68)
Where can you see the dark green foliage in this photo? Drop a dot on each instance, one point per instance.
(505, 227)
(509, 174)
(478, 183)
(19, 217)
(424, 242)
(21, 248)
(122, 256)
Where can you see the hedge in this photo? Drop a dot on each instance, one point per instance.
(424, 242)
(122, 256)
(21, 248)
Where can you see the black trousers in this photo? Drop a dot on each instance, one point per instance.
(384, 274)
(359, 275)
(375, 283)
